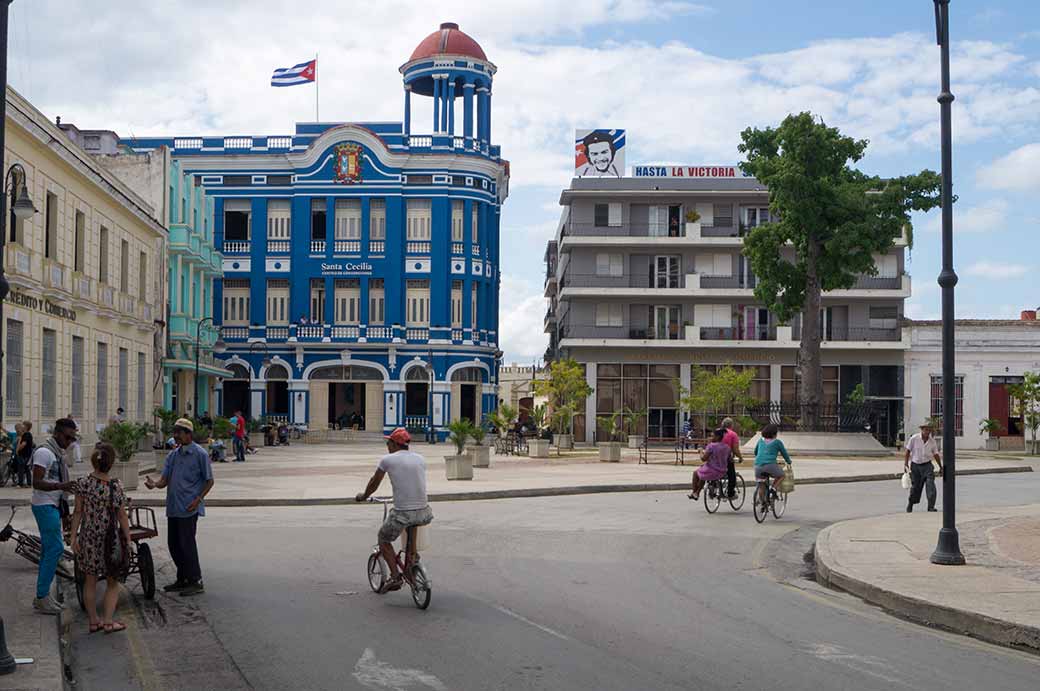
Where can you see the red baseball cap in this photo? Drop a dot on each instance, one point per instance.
(399, 436)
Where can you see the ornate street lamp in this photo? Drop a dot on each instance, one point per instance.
(948, 550)
(218, 347)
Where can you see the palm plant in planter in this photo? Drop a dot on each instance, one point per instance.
(991, 427)
(459, 466)
(632, 420)
(561, 418)
(693, 225)
(566, 388)
(610, 451)
(538, 446)
(480, 453)
(125, 438)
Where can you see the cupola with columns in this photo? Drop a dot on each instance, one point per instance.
(448, 65)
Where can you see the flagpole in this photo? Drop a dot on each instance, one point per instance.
(317, 116)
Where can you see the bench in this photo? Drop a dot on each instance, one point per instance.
(678, 447)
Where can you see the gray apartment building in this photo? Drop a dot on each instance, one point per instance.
(641, 297)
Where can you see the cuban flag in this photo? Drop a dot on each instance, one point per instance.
(304, 73)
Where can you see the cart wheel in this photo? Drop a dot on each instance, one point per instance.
(80, 579)
(146, 569)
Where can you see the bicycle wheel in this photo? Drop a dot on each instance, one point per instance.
(779, 504)
(712, 496)
(736, 502)
(758, 506)
(422, 589)
(4, 472)
(146, 570)
(376, 572)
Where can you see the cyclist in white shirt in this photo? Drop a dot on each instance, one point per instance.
(407, 471)
(921, 450)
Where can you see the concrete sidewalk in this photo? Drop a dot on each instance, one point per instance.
(995, 597)
(28, 634)
(333, 473)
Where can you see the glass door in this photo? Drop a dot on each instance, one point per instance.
(661, 423)
(658, 221)
(666, 322)
(666, 272)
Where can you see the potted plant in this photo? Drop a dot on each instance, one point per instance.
(538, 446)
(566, 388)
(477, 451)
(459, 466)
(990, 427)
(693, 223)
(632, 420)
(125, 438)
(610, 451)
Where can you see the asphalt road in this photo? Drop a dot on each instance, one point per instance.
(609, 591)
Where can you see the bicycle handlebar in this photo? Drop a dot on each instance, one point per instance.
(380, 500)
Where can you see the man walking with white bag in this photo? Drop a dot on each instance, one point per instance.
(921, 450)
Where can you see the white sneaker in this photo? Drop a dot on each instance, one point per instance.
(45, 605)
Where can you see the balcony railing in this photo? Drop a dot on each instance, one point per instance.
(417, 247)
(458, 248)
(236, 247)
(107, 296)
(310, 331)
(278, 333)
(347, 247)
(732, 333)
(378, 332)
(417, 334)
(277, 246)
(878, 283)
(376, 246)
(647, 230)
(348, 331)
(317, 247)
(475, 250)
(235, 333)
(456, 335)
(854, 334)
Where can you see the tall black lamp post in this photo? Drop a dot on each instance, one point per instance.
(218, 347)
(948, 550)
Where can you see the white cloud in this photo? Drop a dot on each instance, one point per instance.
(521, 320)
(986, 217)
(996, 270)
(1019, 171)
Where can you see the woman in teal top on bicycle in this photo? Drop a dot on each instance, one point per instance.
(766, 451)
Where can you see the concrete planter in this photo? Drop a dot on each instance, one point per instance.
(459, 467)
(992, 444)
(563, 441)
(537, 448)
(693, 230)
(481, 455)
(635, 441)
(610, 451)
(1032, 447)
(126, 473)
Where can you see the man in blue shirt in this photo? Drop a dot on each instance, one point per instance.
(188, 478)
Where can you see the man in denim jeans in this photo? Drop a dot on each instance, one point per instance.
(238, 437)
(50, 481)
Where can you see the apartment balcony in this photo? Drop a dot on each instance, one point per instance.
(417, 247)
(726, 234)
(549, 321)
(278, 246)
(659, 288)
(346, 247)
(317, 248)
(376, 247)
(82, 287)
(314, 333)
(550, 286)
(458, 249)
(686, 335)
(55, 278)
(874, 287)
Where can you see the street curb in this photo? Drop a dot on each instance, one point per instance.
(542, 491)
(961, 621)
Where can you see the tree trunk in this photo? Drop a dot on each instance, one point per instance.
(811, 390)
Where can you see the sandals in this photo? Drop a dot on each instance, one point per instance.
(114, 627)
(391, 585)
(695, 497)
(94, 628)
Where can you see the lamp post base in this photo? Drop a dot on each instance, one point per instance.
(948, 551)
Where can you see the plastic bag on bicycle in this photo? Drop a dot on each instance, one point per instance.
(787, 484)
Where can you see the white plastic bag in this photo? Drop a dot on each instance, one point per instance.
(905, 480)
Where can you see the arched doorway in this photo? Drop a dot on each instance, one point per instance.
(466, 383)
(417, 398)
(349, 387)
(236, 391)
(277, 392)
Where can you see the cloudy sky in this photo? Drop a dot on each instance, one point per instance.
(684, 78)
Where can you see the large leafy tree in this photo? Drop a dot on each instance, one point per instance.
(829, 219)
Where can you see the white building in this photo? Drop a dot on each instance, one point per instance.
(991, 354)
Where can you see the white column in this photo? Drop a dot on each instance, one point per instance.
(590, 403)
(774, 383)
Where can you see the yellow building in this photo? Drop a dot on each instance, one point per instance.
(87, 301)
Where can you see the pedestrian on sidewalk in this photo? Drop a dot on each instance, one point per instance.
(921, 450)
(49, 506)
(188, 478)
(732, 440)
(238, 437)
(23, 454)
(98, 522)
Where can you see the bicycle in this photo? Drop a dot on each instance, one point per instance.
(776, 501)
(7, 466)
(30, 547)
(716, 490)
(378, 571)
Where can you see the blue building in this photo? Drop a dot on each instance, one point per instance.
(361, 260)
